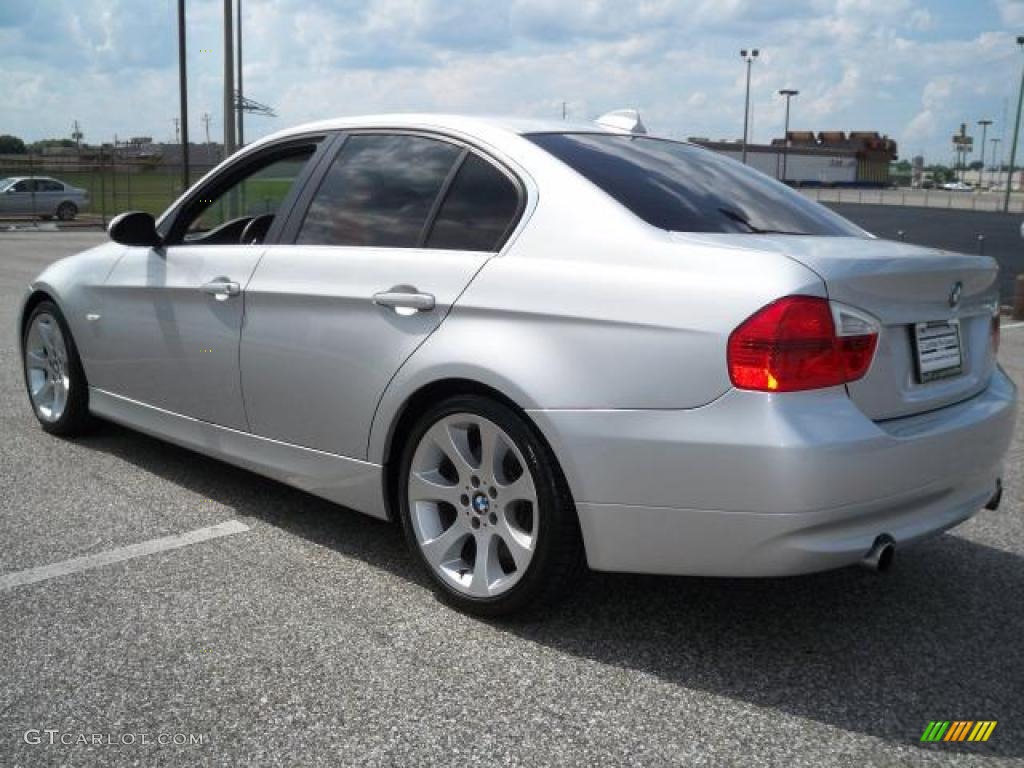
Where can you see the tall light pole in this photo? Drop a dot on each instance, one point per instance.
(183, 92)
(749, 57)
(984, 128)
(996, 163)
(229, 83)
(788, 93)
(1016, 131)
(238, 33)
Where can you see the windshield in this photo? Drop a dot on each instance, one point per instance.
(685, 188)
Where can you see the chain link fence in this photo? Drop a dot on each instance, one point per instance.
(112, 184)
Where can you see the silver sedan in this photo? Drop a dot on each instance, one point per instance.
(541, 346)
(41, 196)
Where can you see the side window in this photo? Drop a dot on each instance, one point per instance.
(222, 217)
(478, 210)
(48, 185)
(379, 191)
(22, 186)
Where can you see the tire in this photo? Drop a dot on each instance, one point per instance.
(520, 514)
(67, 211)
(48, 356)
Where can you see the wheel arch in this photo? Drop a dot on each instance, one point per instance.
(35, 297)
(413, 407)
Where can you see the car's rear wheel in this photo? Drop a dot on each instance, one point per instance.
(67, 211)
(486, 509)
(54, 377)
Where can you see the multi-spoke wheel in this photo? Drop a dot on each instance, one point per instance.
(66, 211)
(485, 506)
(53, 372)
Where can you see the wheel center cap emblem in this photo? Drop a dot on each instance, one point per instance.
(481, 504)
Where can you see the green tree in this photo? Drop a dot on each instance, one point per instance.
(11, 145)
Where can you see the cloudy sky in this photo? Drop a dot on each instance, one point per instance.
(909, 68)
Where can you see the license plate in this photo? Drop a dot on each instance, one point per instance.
(939, 354)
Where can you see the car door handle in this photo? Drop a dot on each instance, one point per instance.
(405, 297)
(221, 289)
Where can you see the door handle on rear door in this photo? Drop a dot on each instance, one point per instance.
(404, 297)
(221, 289)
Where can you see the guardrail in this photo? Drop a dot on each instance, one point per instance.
(920, 198)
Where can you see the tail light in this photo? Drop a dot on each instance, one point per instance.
(801, 342)
(996, 321)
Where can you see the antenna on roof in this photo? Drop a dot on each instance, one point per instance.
(625, 120)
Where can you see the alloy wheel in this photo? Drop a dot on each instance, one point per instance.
(473, 505)
(46, 366)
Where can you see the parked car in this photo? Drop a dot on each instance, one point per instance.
(536, 342)
(957, 186)
(41, 196)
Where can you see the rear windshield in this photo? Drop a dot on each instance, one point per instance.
(685, 188)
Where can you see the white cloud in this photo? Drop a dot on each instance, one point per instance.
(897, 66)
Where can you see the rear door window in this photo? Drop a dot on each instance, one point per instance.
(478, 211)
(379, 191)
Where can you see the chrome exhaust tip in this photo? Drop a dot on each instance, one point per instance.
(881, 555)
(997, 497)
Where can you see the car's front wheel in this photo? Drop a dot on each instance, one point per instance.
(54, 376)
(486, 509)
(67, 211)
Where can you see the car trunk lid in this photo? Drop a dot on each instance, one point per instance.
(902, 286)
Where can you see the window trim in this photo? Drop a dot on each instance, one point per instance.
(289, 234)
(173, 220)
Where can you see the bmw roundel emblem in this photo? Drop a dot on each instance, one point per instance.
(956, 293)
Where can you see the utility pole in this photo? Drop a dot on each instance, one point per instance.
(229, 83)
(177, 130)
(788, 93)
(749, 57)
(996, 164)
(183, 86)
(1016, 131)
(206, 124)
(984, 128)
(563, 110)
(241, 96)
(77, 135)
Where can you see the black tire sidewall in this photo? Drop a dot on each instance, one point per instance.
(551, 506)
(76, 412)
(71, 210)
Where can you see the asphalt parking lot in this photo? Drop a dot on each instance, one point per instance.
(311, 638)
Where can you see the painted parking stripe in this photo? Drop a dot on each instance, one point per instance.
(65, 567)
(1011, 325)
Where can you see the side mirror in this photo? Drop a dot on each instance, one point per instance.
(134, 228)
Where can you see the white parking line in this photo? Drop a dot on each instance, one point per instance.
(1011, 325)
(33, 575)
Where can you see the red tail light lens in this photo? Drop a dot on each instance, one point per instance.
(792, 344)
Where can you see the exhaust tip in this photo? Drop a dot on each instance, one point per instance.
(881, 555)
(997, 497)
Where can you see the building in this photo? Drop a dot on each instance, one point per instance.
(828, 159)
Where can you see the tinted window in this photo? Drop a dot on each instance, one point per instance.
(478, 209)
(379, 191)
(47, 185)
(22, 186)
(684, 188)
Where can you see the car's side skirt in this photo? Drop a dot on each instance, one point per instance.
(353, 483)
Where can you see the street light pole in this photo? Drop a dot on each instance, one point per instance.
(229, 83)
(788, 93)
(749, 57)
(984, 129)
(241, 112)
(995, 158)
(1016, 131)
(183, 92)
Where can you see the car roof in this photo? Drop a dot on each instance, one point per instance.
(453, 122)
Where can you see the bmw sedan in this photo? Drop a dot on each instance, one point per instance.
(41, 196)
(541, 346)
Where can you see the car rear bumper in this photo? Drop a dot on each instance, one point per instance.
(758, 484)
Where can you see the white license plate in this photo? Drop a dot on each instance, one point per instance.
(939, 353)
